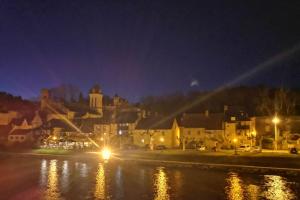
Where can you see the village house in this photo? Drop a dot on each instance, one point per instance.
(25, 135)
(288, 130)
(238, 126)
(202, 129)
(157, 130)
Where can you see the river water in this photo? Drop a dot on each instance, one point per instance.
(35, 178)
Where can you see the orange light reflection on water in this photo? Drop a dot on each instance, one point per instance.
(100, 183)
(52, 192)
(161, 185)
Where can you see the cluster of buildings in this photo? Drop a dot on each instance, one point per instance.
(117, 123)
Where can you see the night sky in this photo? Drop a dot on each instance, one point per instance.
(138, 48)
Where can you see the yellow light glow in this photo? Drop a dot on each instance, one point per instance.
(106, 153)
(162, 139)
(275, 120)
(254, 133)
(278, 188)
(100, 183)
(54, 137)
(235, 140)
(101, 138)
(234, 189)
(143, 140)
(161, 185)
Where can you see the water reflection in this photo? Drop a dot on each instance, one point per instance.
(52, 191)
(100, 183)
(43, 175)
(65, 176)
(75, 180)
(253, 192)
(277, 188)
(234, 189)
(83, 170)
(161, 185)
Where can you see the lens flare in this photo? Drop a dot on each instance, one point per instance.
(106, 153)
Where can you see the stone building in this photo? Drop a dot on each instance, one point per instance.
(157, 130)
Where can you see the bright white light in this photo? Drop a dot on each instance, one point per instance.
(106, 153)
(275, 120)
(120, 132)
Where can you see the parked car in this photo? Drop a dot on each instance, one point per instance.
(201, 148)
(244, 148)
(293, 150)
(160, 147)
(255, 149)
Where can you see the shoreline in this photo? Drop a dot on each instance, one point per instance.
(157, 158)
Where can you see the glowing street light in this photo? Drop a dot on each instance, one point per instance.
(120, 134)
(275, 121)
(106, 153)
(162, 139)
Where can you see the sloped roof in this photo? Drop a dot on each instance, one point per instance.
(80, 109)
(126, 117)
(87, 125)
(58, 123)
(212, 121)
(155, 122)
(18, 121)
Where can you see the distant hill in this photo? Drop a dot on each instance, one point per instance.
(9, 102)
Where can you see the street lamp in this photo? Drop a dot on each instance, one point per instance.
(120, 136)
(235, 150)
(253, 137)
(162, 139)
(275, 121)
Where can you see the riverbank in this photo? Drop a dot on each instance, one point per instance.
(278, 162)
(225, 160)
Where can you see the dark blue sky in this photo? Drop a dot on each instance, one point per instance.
(137, 48)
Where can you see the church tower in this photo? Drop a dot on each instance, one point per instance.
(96, 97)
(44, 98)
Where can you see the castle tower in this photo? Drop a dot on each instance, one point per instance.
(96, 97)
(44, 98)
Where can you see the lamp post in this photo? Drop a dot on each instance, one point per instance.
(235, 150)
(275, 121)
(120, 135)
(253, 138)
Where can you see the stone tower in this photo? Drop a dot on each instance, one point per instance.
(44, 98)
(96, 97)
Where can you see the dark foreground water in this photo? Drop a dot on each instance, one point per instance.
(33, 178)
